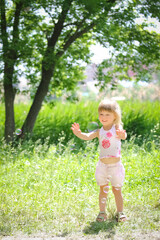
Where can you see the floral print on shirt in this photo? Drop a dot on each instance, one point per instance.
(109, 134)
(106, 143)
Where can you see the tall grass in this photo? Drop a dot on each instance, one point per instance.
(48, 191)
(47, 184)
(141, 119)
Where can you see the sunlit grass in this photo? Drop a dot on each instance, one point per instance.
(53, 190)
(140, 119)
(48, 185)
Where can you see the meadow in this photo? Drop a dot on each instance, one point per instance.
(47, 183)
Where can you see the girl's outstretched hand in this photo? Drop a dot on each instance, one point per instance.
(121, 134)
(75, 128)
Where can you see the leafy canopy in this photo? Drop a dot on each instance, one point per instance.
(81, 23)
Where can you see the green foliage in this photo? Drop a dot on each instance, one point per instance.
(135, 46)
(142, 121)
(113, 25)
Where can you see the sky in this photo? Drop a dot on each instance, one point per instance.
(100, 53)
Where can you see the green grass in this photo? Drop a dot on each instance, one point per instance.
(47, 184)
(52, 190)
(141, 119)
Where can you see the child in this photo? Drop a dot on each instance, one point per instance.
(109, 167)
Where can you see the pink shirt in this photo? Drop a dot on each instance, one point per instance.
(109, 145)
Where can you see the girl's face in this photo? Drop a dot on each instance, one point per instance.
(107, 118)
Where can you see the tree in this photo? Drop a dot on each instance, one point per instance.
(50, 38)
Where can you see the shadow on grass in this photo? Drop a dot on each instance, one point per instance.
(96, 227)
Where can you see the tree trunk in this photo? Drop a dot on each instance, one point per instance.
(48, 65)
(9, 96)
(9, 57)
(37, 102)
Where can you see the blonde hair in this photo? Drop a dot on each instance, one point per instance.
(111, 106)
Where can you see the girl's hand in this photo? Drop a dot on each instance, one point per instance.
(84, 136)
(75, 128)
(121, 134)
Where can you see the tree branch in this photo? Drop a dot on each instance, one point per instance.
(78, 25)
(16, 21)
(15, 40)
(72, 38)
(78, 33)
(59, 25)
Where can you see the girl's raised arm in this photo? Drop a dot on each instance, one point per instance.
(84, 136)
(121, 133)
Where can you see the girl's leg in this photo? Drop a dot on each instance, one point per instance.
(103, 197)
(118, 198)
(119, 203)
(102, 203)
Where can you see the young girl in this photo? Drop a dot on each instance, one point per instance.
(109, 167)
